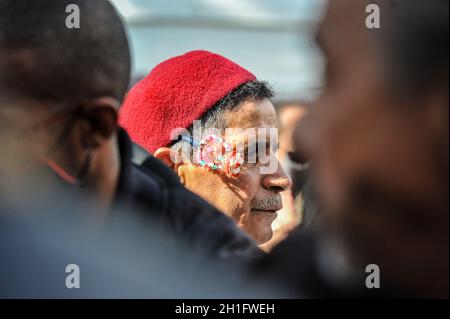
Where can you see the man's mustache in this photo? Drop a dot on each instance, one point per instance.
(271, 203)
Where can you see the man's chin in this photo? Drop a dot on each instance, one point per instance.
(263, 238)
(262, 220)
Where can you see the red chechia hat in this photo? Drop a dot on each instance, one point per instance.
(177, 92)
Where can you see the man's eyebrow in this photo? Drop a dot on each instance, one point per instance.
(319, 39)
(267, 145)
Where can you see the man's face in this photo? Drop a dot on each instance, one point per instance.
(23, 143)
(26, 137)
(55, 135)
(252, 198)
(372, 153)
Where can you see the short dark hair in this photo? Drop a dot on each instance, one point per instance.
(250, 91)
(414, 41)
(43, 59)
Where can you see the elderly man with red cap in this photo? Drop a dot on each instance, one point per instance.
(213, 123)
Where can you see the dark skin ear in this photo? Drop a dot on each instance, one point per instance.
(98, 121)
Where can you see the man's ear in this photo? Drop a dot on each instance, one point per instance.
(98, 121)
(163, 154)
(171, 159)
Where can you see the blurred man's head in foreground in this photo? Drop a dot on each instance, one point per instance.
(61, 86)
(378, 137)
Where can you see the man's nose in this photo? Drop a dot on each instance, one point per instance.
(278, 181)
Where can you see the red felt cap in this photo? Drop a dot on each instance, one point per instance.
(177, 92)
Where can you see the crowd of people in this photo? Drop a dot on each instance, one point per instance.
(197, 182)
